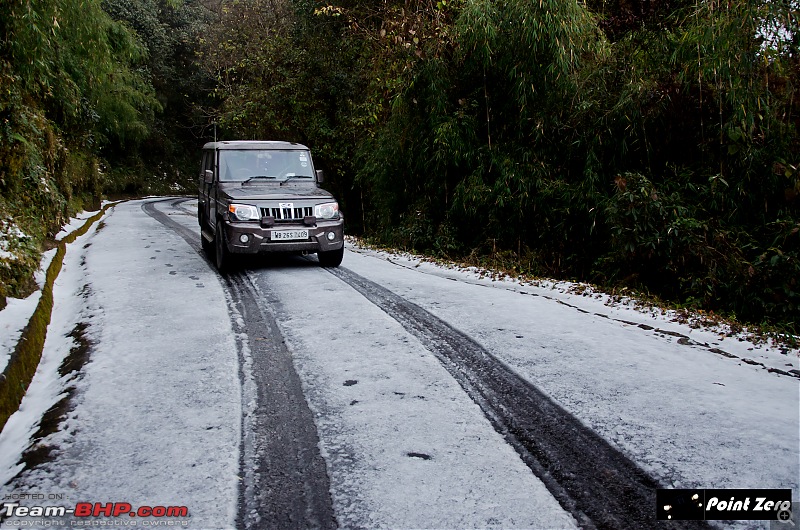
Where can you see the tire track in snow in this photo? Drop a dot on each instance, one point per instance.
(592, 480)
(289, 487)
(284, 478)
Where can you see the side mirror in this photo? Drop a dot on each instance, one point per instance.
(208, 176)
(320, 176)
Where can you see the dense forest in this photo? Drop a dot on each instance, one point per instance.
(651, 144)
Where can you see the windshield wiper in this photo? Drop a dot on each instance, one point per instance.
(291, 177)
(258, 177)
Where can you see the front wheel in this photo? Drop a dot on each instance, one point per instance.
(222, 258)
(331, 258)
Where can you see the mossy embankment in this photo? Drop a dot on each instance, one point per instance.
(25, 359)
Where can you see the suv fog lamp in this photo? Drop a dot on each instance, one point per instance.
(328, 210)
(244, 212)
(331, 236)
(244, 238)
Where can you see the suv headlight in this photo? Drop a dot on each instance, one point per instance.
(328, 210)
(244, 212)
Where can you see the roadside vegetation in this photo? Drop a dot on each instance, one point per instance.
(90, 103)
(646, 145)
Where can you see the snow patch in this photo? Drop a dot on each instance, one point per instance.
(17, 313)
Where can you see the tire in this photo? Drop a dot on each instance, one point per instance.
(222, 258)
(331, 258)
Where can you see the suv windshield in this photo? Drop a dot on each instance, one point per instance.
(266, 165)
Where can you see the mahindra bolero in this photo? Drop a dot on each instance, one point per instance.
(261, 197)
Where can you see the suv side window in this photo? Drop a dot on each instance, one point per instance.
(208, 161)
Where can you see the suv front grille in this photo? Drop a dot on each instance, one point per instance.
(288, 214)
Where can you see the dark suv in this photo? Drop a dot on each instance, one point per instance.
(265, 197)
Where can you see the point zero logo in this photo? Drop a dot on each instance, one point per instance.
(723, 504)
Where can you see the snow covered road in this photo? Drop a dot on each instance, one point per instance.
(285, 395)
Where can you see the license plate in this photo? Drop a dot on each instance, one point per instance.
(288, 235)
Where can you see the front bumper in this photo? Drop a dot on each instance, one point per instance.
(259, 238)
